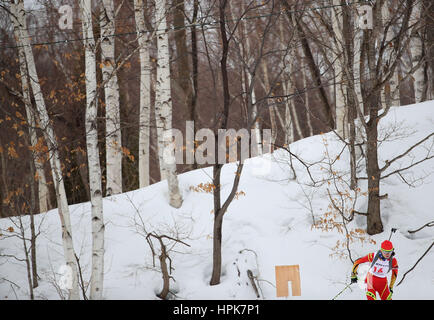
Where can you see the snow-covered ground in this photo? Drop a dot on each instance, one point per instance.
(268, 224)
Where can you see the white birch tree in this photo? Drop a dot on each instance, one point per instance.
(390, 92)
(357, 49)
(338, 45)
(97, 275)
(416, 50)
(43, 193)
(163, 106)
(18, 17)
(112, 107)
(145, 94)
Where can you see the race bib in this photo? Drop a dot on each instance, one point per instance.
(380, 268)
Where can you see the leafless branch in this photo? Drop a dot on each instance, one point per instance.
(429, 224)
(389, 162)
(429, 248)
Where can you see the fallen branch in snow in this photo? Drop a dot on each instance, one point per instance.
(11, 282)
(251, 276)
(15, 293)
(416, 263)
(252, 281)
(270, 283)
(429, 224)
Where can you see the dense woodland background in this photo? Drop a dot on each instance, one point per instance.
(263, 38)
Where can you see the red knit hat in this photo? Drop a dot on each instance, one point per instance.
(387, 245)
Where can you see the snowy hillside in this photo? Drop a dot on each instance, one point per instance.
(268, 224)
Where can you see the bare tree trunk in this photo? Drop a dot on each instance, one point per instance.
(357, 80)
(163, 105)
(184, 74)
(97, 276)
(428, 10)
(32, 227)
(219, 209)
(304, 78)
(416, 49)
(249, 89)
(187, 81)
(26, 254)
(352, 103)
(374, 224)
(43, 193)
(340, 103)
(112, 107)
(17, 6)
(287, 86)
(292, 82)
(83, 170)
(145, 94)
(166, 277)
(217, 249)
(357, 66)
(195, 64)
(314, 70)
(390, 93)
(372, 101)
(251, 93)
(272, 109)
(188, 98)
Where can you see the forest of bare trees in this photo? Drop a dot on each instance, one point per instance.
(89, 96)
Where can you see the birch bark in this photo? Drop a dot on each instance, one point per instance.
(416, 50)
(390, 92)
(19, 20)
(112, 107)
(338, 44)
(43, 194)
(97, 276)
(163, 106)
(145, 94)
(357, 64)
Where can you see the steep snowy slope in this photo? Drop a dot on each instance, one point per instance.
(269, 223)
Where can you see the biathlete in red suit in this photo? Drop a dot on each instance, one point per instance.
(381, 263)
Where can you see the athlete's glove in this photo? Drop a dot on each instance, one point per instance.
(353, 279)
(389, 297)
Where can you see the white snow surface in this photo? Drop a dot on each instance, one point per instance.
(268, 224)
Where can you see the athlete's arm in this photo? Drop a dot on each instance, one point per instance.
(394, 273)
(367, 258)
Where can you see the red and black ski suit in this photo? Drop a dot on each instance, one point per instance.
(376, 278)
